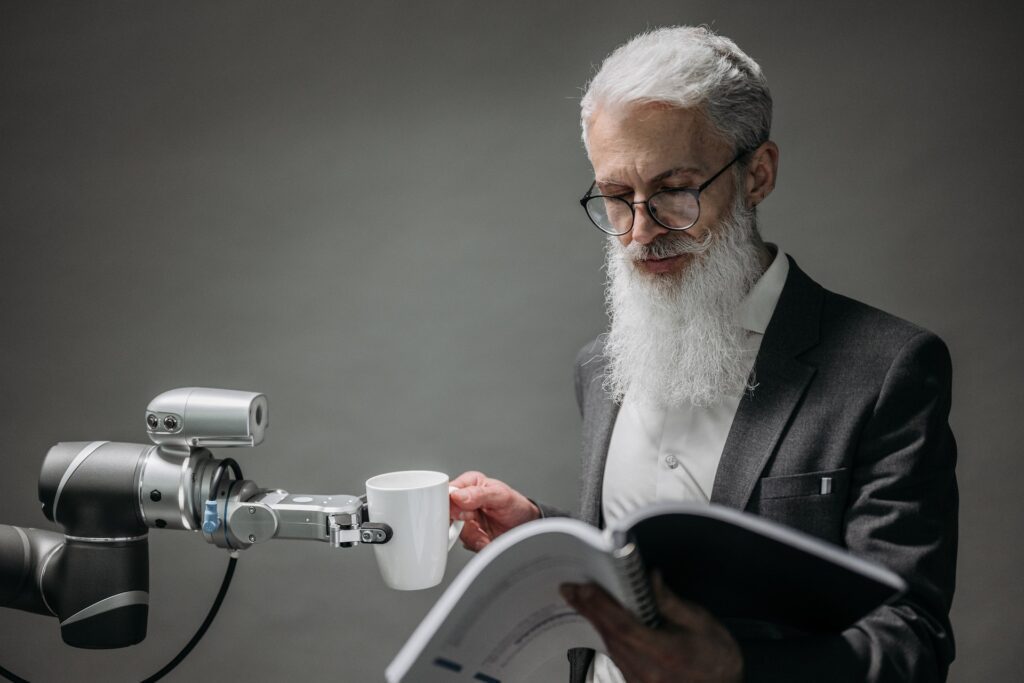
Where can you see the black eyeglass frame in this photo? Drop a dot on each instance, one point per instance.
(695, 191)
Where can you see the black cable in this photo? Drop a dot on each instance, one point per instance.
(11, 677)
(202, 628)
(214, 485)
(218, 474)
(188, 646)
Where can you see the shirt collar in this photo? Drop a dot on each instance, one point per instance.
(755, 311)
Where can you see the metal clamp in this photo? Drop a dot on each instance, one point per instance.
(344, 534)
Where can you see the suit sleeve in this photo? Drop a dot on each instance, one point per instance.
(550, 510)
(902, 511)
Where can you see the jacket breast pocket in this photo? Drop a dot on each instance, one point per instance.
(814, 502)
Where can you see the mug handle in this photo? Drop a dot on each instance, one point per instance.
(455, 528)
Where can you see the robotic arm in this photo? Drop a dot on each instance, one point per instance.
(107, 495)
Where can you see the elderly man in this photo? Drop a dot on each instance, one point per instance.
(729, 376)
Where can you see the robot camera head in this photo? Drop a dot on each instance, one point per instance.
(197, 417)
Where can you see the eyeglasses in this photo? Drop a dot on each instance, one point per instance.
(675, 208)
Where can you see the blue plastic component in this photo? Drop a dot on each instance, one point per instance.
(210, 521)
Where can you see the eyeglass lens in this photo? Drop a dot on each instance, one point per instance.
(673, 209)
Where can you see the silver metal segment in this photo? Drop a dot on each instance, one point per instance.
(88, 450)
(171, 474)
(826, 485)
(185, 493)
(279, 514)
(113, 602)
(224, 501)
(339, 535)
(42, 572)
(117, 539)
(254, 521)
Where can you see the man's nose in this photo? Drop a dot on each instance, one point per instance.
(645, 228)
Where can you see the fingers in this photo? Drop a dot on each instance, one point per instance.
(473, 536)
(471, 478)
(676, 610)
(600, 609)
(474, 490)
(495, 505)
(626, 640)
(476, 497)
(666, 654)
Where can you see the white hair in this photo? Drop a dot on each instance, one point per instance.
(687, 67)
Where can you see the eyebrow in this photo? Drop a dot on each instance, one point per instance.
(661, 176)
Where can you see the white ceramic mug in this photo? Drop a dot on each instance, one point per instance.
(415, 505)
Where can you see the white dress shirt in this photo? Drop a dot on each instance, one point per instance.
(672, 454)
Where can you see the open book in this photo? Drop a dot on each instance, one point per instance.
(503, 616)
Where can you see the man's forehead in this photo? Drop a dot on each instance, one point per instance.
(652, 140)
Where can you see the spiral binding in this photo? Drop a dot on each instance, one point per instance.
(630, 568)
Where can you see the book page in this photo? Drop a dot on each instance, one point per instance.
(503, 616)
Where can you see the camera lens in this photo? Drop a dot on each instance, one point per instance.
(152, 421)
(171, 422)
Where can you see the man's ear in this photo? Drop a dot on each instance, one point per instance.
(761, 173)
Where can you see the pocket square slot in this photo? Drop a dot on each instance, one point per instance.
(805, 484)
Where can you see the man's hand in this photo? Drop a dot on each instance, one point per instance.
(691, 647)
(489, 507)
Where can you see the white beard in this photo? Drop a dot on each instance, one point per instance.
(674, 339)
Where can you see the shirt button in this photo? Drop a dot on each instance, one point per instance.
(672, 461)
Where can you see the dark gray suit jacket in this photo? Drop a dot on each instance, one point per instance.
(846, 391)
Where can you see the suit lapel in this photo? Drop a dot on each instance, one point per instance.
(760, 420)
(780, 382)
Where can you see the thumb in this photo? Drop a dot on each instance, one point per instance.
(463, 498)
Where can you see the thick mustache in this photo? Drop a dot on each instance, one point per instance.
(667, 247)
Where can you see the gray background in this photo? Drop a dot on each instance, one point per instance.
(368, 211)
